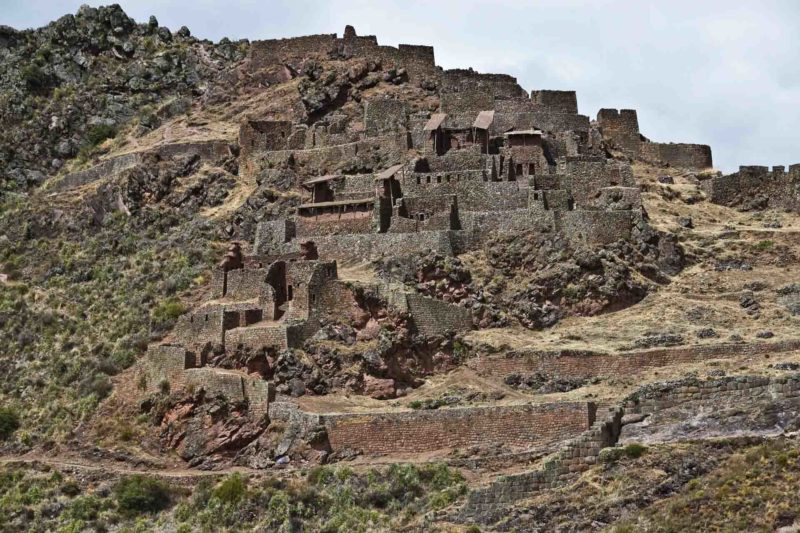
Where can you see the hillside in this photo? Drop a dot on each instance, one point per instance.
(321, 284)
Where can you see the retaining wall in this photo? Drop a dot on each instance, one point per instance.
(518, 427)
(585, 364)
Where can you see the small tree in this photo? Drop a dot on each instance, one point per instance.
(9, 422)
(141, 494)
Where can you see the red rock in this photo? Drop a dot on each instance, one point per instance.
(370, 331)
(380, 389)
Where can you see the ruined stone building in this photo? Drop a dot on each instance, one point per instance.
(391, 180)
(757, 187)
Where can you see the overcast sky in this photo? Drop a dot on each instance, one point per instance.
(702, 71)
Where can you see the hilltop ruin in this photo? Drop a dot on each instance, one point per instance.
(390, 181)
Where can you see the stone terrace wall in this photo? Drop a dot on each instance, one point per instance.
(518, 426)
(206, 150)
(595, 227)
(371, 246)
(234, 386)
(435, 317)
(110, 167)
(257, 337)
(373, 152)
(489, 503)
(740, 389)
(680, 155)
(583, 364)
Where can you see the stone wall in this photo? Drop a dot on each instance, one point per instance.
(586, 364)
(467, 80)
(206, 150)
(681, 155)
(232, 385)
(248, 284)
(311, 227)
(544, 119)
(257, 337)
(385, 115)
(434, 317)
(563, 101)
(738, 389)
(165, 363)
(515, 426)
(584, 176)
(489, 503)
(620, 129)
(274, 236)
(200, 328)
(418, 60)
(595, 228)
(371, 246)
(469, 102)
(757, 185)
(374, 153)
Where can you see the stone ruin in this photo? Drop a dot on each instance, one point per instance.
(492, 158)
(757, 187)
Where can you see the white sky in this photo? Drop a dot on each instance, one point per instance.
(723, 73)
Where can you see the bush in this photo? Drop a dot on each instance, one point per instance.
(9, 422)
(35, 78)
(634, 450)
(166, 313)
(141, 494)
(614, 454)
(232, 489)
(99, 133)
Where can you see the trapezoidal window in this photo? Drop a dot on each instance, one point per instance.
(519, 169)
(531, 169)
(289, 293)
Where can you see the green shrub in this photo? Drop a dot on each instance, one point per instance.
(84, 508)
(635, 450)
(9, 422)
(35, 78)
(141, 494)
(166, 313)
(764, 245)
(99, 133)
(232, 489)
